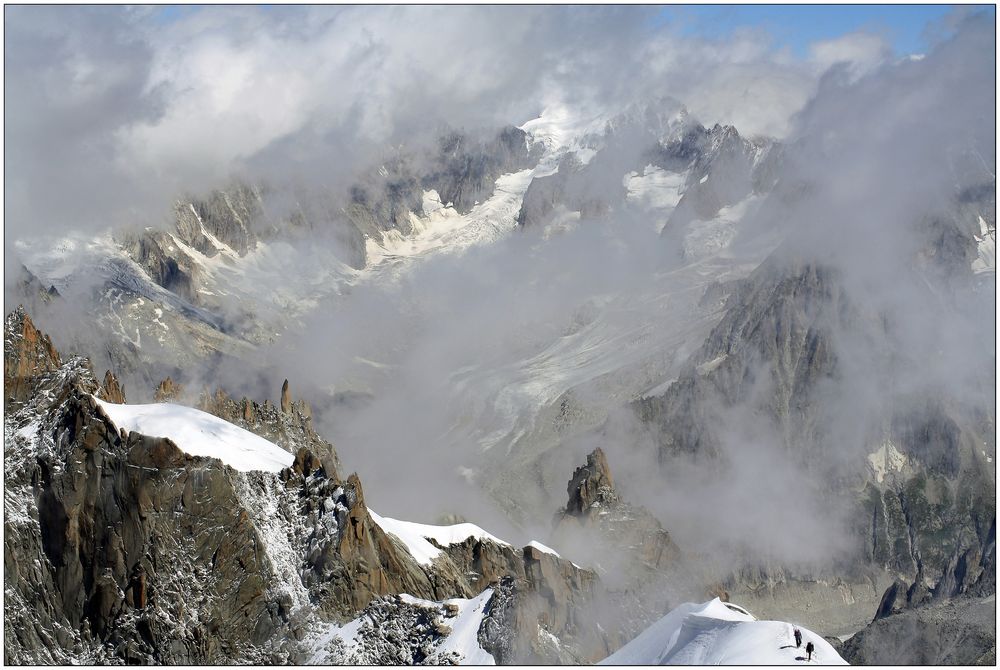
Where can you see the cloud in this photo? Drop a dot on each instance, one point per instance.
(113, 112)
(859, 52)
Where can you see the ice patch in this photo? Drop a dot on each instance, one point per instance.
(706, 238)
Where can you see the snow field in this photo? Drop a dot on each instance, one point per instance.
(713, 633)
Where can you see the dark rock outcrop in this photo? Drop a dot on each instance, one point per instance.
(724, 169)
(590, 485)
(385, 200)
(230, 216)
(595, 508)
(165, 264)
(289, 426)
(775, 357)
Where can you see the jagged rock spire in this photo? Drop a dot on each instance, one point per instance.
(286, 398)
(168, 390)
(591, 483)
(111, 390)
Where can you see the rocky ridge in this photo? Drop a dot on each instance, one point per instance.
(119, 547)
(720, 168)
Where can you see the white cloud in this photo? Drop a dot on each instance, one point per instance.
(133, 110)
(860, 52)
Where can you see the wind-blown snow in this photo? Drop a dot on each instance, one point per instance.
(415, 536)
(200, 434)
(713, 633)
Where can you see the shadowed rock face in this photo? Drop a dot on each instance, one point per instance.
(129, 543)
(463, 172)
(231, 216)
(164, 263)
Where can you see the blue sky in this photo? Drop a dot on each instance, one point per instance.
(797, 26)
(794, 26)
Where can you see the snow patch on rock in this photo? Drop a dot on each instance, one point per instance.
(415, 536)
(200, 434)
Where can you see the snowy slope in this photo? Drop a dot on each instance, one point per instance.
(714, 633)
(415, 536)
(200, 434)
